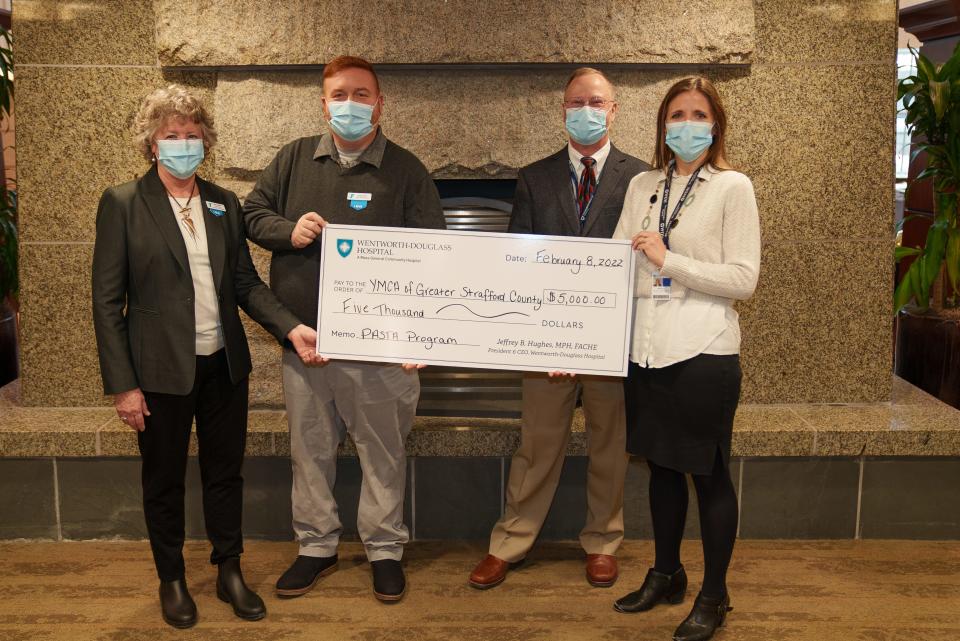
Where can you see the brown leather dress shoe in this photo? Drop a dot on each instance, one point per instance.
(489, 573)
(602, 570)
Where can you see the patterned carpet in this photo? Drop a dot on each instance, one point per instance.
(781, 591)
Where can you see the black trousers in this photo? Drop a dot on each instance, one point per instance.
(220, 409)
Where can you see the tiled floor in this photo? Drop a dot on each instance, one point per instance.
(781, 591)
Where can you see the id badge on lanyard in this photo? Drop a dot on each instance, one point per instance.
(661, 287)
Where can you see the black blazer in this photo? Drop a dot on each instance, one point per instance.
(143, 309)
(545, 204)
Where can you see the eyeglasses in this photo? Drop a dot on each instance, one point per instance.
(595, 102)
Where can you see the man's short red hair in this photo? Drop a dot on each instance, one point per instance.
(340, 63)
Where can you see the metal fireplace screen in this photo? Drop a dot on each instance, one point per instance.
(462, 391)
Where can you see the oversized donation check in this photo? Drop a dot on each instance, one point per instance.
(474, 299)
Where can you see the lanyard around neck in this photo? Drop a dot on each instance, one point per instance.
(667, 226)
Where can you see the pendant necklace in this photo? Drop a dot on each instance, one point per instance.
(184, 212)
(646, 219)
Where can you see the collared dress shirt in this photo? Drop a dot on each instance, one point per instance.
(600, 158)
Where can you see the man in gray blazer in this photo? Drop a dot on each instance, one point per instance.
(577, 191)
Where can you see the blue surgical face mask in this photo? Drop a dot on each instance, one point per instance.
(350, 120)
(180, 157)
(688, 139)
(586, 125)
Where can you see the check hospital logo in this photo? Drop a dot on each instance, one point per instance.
(389, 250)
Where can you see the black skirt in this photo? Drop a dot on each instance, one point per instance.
(680, 415)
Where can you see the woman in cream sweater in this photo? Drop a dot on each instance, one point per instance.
(694, 222)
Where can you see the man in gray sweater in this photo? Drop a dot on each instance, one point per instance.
(351, 175)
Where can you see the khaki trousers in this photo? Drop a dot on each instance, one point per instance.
(548, 406)
(375, 404)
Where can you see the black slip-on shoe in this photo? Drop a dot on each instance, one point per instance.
(304, 574)
(389, 583)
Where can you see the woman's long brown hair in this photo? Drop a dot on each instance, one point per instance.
(717, 154)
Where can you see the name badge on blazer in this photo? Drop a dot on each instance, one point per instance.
(216, 209)
(359, 200)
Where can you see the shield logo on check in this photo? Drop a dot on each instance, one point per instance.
(344, 246)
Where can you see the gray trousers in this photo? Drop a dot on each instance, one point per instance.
(374, 403)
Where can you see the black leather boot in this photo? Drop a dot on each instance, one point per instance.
(177, 605)
(656, 588)
(232, 589)
(707, 615)
(389, 583)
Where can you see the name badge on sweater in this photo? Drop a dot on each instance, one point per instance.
(661, 287)
(359, 200)
(216, 209)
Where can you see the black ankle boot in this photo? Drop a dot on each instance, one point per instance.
(177, 605)
(656, 588)
(232, 589)
(707, 615)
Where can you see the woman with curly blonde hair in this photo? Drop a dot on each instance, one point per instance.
(170, 267)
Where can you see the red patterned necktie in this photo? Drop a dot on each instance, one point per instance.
(588, 185)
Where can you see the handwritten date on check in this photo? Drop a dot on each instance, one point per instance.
(475, 299)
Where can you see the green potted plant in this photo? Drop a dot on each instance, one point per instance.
(9, 282)
(925, 299)
(931, 99)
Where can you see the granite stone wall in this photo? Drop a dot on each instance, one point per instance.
(474, 90)
(453, 31)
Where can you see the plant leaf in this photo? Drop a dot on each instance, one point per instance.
(903, 292)
(932, 259)
(903, 221)
(947, 70)
(940, 95)
(915, 274)
(909, 288)
(952, 258)
(900, 253)
(925, 68)
(918, 148)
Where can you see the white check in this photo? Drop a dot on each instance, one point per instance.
(474, 299)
